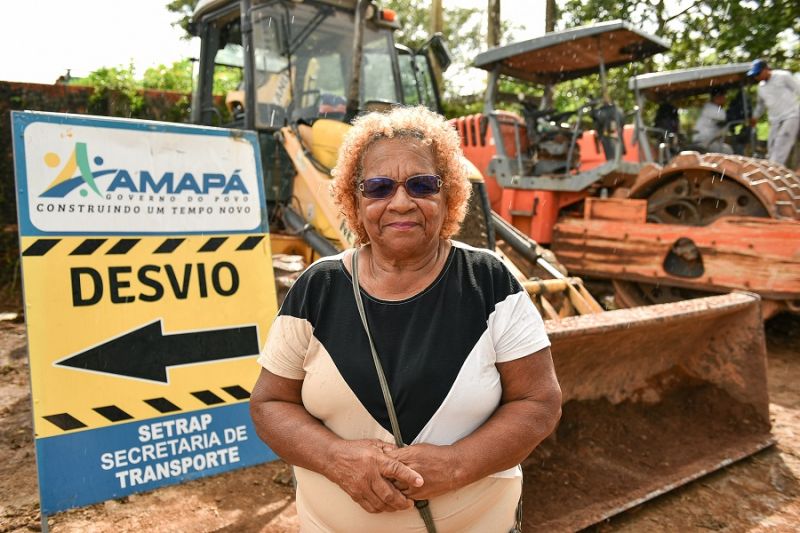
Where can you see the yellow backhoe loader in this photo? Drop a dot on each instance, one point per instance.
(654, 396)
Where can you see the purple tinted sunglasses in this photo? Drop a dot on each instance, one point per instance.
(382, 187)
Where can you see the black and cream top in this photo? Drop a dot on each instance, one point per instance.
(438, 349)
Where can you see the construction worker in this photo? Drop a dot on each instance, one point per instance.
(709, 130)
(778, 92)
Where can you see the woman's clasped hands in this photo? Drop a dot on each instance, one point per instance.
(383, 478)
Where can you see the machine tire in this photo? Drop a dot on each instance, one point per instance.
(696, 189)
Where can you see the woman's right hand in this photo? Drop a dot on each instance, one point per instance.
(366, 473)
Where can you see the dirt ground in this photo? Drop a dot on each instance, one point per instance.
(760, 493)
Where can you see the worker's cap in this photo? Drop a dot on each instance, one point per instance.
(756, 67)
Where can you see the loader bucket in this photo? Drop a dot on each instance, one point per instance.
(654, 397)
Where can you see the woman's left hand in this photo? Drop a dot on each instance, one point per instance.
(437, 465)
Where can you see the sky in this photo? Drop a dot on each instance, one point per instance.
(47, 37)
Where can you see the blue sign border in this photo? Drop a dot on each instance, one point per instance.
(20, 120)
(71, 475)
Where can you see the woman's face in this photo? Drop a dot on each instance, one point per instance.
(401, 225)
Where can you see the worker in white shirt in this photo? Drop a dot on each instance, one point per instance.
(709, 130)
(778, 92)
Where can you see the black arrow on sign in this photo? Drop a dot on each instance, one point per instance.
(146, 352)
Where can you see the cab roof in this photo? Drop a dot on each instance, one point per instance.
(207, 6)
(573, 53)
(687, 82)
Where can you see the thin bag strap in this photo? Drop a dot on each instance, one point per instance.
(387, 395)
(421, 505)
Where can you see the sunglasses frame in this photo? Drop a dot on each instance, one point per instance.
(398, 184)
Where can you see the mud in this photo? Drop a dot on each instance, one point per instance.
(601, 452)
(760, 493)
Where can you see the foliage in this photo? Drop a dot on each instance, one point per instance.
(226, 79)
(465, 33)
(458, 107)
(116, 91)
(184, 8)
(176, 77)
(414, 17)
(179, 77)
(766, 22)
(702, 32)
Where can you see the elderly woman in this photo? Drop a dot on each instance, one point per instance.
(464, 352)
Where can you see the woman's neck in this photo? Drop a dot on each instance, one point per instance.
(388, 277)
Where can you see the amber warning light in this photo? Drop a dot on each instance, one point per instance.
(389, 15)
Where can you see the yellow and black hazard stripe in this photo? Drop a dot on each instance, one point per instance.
(114, 413)
(41, 247)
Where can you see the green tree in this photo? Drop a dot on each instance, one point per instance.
(184, 8)
(226, 79)
(116, 91)
(465, 30)
(176, 77)
(702, 32)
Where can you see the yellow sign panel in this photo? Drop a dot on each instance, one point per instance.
(92, 291)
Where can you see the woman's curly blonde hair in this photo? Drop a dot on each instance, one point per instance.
(416, 122)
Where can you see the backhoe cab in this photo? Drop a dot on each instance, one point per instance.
(297, 73)
(303, 59)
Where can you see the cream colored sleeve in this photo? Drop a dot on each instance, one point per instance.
(287, 344)
(517, 328)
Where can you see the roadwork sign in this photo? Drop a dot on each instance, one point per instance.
(148, 293)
